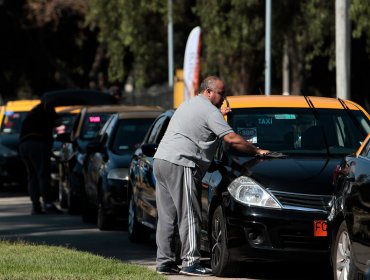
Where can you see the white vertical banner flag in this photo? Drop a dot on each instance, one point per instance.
(191, 63)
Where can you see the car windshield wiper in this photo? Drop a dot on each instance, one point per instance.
(317, 117)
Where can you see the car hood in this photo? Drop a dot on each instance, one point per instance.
(306, 175)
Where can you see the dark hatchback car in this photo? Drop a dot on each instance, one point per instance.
(142, 216)
(350, 217)
(107, 161)
(268, 208)
(72, 152)
(12, 170)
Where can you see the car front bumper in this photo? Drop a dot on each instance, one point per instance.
(274, 234)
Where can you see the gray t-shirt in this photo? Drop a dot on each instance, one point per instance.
(192, 135)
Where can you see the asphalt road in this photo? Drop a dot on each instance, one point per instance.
(69, 231)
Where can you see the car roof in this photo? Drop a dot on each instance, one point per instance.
(68, 109)
(140, 114)
(21, 105)
(120, 108)
(287, 101)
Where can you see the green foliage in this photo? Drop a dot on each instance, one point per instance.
(359, 13)
(25, 261)
(132, 27)
(232, 40)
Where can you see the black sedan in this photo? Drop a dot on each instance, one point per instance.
(106, 164)
(142, 216)
(350, 217)
(272, 208)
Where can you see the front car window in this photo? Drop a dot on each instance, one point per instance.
(129, 134)
(297, 130)
(366, 150)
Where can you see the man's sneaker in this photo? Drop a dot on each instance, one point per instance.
(37, 210)
(196, 270)
(50, 208)
(168, 269)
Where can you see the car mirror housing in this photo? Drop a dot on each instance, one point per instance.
(63, 137)
(149, 149)
(94, 147)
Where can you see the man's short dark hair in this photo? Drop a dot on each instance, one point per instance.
(209, 82)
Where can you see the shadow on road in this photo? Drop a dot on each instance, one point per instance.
(69, 231)
(65, 230)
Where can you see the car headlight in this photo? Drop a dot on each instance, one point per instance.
(247, 191)
(118, 174)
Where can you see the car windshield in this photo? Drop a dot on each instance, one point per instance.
(92, 124)
(130, 134)
(298, 131)
(12, 122)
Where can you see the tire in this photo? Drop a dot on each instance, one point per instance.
(63, 197)
(341, 255)
(136, 231)
(89, 212)
(104, 220)
(220, 256)
(74, 204)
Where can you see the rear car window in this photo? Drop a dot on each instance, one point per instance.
(299, 130)
(93, 122)
(130, 133)
(12, 122)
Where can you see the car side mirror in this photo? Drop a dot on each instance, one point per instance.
(94, 147)
(63, 137)
(149, 149)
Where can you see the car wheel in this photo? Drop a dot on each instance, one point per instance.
(74, 204)
(136, 231)
(220, 257)
(88, 211)
(63, 198)
(341, 255)
(105, 221)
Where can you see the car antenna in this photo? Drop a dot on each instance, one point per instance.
(317, 117)
(351, 115)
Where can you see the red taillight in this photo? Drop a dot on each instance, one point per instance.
(336, 173)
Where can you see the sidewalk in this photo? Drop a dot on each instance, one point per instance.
(69, 231)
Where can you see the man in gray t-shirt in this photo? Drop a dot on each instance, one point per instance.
(183, 156)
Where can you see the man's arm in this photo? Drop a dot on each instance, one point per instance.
(237, 142)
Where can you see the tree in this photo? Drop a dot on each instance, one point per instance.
(232, 42)
(46, 46)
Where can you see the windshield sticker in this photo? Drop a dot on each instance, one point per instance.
(94, 119)
(285, 117)
(265, 121)
(249, 134)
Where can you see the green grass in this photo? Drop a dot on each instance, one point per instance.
(24, 261)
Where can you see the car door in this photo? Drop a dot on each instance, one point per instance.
(96, 159)
(142, 167)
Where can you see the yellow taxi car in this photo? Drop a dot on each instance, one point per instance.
(274, 207)
(12, 170)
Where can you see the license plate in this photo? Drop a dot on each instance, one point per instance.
(320, 228)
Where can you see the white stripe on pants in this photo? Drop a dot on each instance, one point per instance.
(178, 202)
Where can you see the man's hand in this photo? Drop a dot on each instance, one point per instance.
(261, 152)
(225, 110)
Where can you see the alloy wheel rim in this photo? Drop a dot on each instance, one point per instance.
(130, 217)
(217, 242)
(343, 256)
